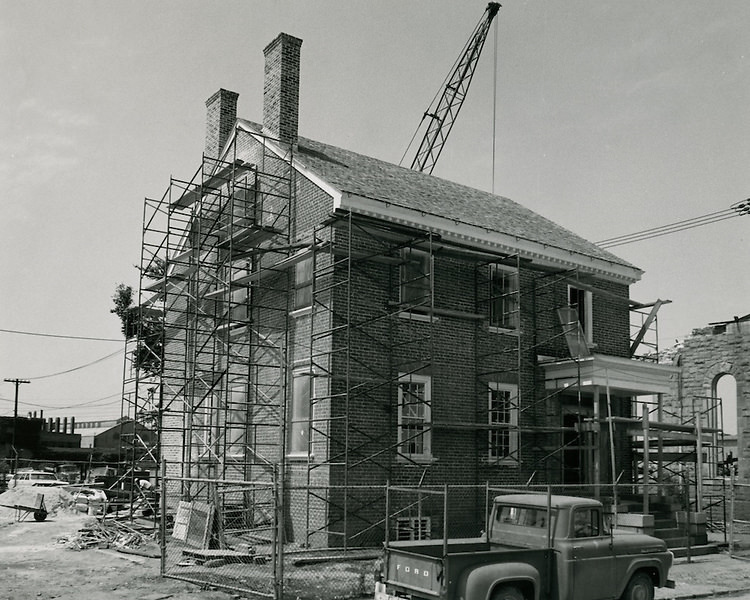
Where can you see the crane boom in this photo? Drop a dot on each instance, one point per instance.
(441, 119)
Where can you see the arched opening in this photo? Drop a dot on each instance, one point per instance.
(725, 387)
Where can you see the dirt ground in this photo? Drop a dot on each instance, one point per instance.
(36, 562)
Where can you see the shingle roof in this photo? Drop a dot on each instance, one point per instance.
(399, 186)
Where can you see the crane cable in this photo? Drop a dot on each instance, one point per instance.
(494, 109)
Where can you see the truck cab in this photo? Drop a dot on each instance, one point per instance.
(592, 562)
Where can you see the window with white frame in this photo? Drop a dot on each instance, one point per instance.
(503, 420)
(414, 417)
(303, 283)
(415, 275)
(503, 297)
(298, 436)
(581, 300)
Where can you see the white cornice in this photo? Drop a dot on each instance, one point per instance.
(483, 238)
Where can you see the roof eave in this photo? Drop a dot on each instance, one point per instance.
(544, 255)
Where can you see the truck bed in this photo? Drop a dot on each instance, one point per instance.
(420, 568)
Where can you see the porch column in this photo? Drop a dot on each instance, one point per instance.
(596, 444)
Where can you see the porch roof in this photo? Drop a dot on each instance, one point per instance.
(622, 376)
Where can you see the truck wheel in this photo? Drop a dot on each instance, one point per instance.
(640, 587)
(508, 592)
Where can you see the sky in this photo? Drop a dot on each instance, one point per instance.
(607, 117)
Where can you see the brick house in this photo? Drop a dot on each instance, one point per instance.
(334, 322)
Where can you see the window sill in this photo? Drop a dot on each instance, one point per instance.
(303, 457)
(412, 316)
(503, 330)
(501, 462)
(300, 312)
(419, 460)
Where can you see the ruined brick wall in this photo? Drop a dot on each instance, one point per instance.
(706, 355)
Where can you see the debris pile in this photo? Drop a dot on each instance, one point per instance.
(112, 534)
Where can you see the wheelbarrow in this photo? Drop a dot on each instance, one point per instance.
(22, 511)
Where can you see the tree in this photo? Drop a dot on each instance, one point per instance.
(137, 324)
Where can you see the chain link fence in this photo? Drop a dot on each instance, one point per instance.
(264, 540)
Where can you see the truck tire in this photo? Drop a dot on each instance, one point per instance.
(507, 592)
(640, 587)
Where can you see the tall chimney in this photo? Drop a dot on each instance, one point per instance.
(221, 113)
(281, 88)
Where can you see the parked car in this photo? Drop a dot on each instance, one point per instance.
(68, 472)
(35, 478)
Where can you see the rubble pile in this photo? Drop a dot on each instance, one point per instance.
(110, 533)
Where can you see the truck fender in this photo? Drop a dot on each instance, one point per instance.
(478, 583)
(638, 565)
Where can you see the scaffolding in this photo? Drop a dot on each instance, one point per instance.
(294, 352)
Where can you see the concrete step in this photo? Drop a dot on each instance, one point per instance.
(699, 550)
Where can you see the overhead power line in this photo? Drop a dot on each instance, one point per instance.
(88, 403)
(65, 337)
(737, 209)
(98, 360)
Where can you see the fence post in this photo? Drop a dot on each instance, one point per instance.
(163, 520)
(445, 520)
(387, 512)
(731, 511)
(277, 537)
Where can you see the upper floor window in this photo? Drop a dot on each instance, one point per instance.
(298, 438)
(239, 305)
(236, 419)
(414, 416)
(303, 283)
(581, 301)
(503, 415)
(503, 297)
(415, 275)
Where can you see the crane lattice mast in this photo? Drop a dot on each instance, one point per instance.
(441, 119)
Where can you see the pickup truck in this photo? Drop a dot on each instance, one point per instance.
(536, 547)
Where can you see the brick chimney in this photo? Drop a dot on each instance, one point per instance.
(281, 89)
(221, 113)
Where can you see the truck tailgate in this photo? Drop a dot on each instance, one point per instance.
(416, 572)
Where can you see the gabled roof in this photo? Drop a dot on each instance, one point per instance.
(385, 190)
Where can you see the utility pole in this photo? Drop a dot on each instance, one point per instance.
(17, 383)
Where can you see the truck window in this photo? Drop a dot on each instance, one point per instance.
(523, 516)
(586, 523)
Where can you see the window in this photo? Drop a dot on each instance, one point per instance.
(503, 297)
(523, 516)
(236, 425)
(415, 276)
(303, 280)
(581, 301)
(413, 528)
(298, 439)
(414, 419)
(238, 309)
(503, 412)
(586, 523)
